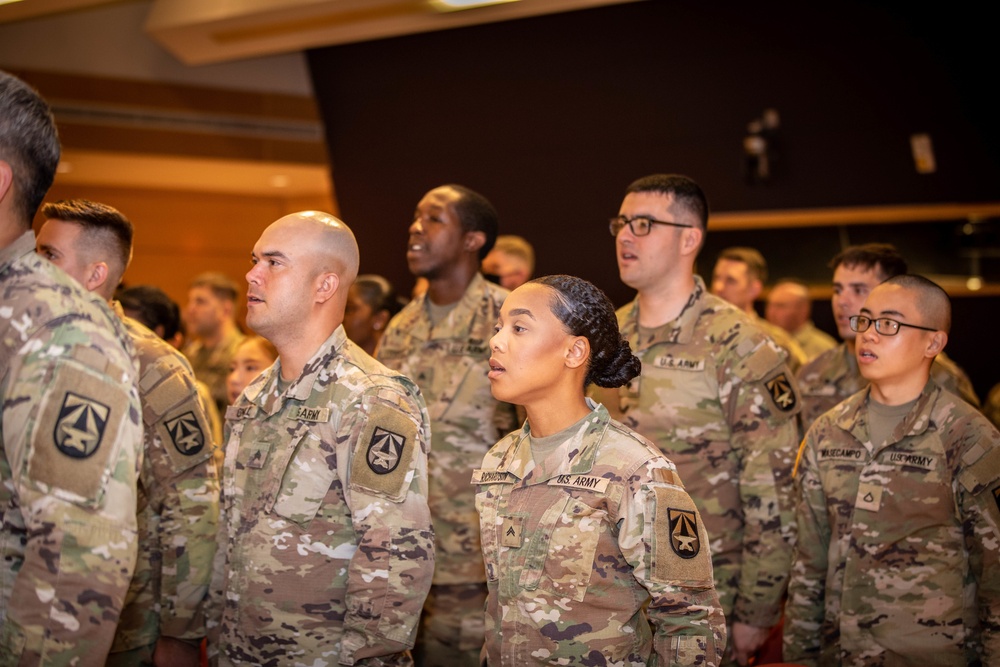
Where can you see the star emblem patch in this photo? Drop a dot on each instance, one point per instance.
(384, 451)
(185, 431)
(684, 532)
(781, 392)
(80, 426)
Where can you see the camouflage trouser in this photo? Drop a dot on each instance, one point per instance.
(452, 626)
(137, 657)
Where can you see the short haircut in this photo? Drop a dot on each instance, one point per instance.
(29, 143)
(932, 300)
(378, 293)
(221, 285)
(882, 258)
(106, 229)
(516, 246)
(685, 191)
(755, 262)
(152, 307)
(477, 214)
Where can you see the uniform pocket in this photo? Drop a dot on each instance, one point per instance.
(569, 562)
(305, 482)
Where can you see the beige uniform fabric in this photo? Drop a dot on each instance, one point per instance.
(716, 396)
(178, 510)
(211, 365)
(813, 341)
(898, 558)
(796, 356)
(330, 545)
(70, 449)
(834, 376)
(595, 555)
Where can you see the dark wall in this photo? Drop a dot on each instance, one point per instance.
(552, 117)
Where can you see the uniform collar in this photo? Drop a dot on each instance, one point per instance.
(461, 320)
(24, 245)
(855, 418)
(263, 390)
(680, 330)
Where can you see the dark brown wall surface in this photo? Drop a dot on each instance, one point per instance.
(552, 117)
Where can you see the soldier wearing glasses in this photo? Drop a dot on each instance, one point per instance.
(715, 395)
(898, 505)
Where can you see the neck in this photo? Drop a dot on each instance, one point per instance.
(551, 414)
(10, 232)
(898, 391)
(451, 288)
(224, 330)
(298, 348)
(657, 307)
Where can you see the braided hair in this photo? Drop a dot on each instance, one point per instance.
(586, 311)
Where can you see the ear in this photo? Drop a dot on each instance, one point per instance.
(578, 352)
(6, 179)
(326, 286)
(756, 287)
(96, 276)
(380, 319)
(936, 344)
(691, 239)
(474, 241)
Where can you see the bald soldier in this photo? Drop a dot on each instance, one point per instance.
(898, 556)
(178, 511)
(330, 545)
(789, 307)
(70, 436)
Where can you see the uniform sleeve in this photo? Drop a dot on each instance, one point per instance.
(762, 402)
(71, 442)
(386, 490)
(804, 609)
(664, 540)
(184, 490)
(979, 504)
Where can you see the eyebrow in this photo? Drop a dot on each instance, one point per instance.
(271, 254)
(520, 311)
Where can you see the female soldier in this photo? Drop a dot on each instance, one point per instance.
(594, 552)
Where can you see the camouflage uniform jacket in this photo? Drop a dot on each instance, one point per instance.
(211, 365)
(834, 376)
(330, 551)
(178, 509)
(898, 557)
(716, 397)
(70, 449)
(595, 556)
(813, 341)
(449, 363)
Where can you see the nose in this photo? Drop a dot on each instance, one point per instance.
(416, 227)
(870, 334)
(251, 276)
(495, 342)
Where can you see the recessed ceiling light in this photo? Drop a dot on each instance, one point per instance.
(455, 5)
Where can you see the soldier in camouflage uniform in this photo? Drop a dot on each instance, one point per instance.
(594, 552)
(440, 340)
(330, 545)
(898, 556)
(210, 317)
(833, 376)
(715, 395)
(789, 307)
(178, 506)
(70, 436)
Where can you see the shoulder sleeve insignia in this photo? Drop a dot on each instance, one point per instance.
(684, 532)
(80, 426)
(782, 393)
(384, 450)
(186, 434)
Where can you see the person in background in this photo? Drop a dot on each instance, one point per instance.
(739, 277)
(154, 309)
(253, 356)
(440, 341)
(210, 317)
(898, 556)
(715, 395)
(371, 303)
(789, 307)
(70, 430)
(163, 621)
(330, 549)
(594, 552)
(834, 375)
(511, 261)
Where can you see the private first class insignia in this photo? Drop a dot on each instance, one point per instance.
(385, 450)
(684, 532)
(781, 392)
(186, 433)
(80, 426)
